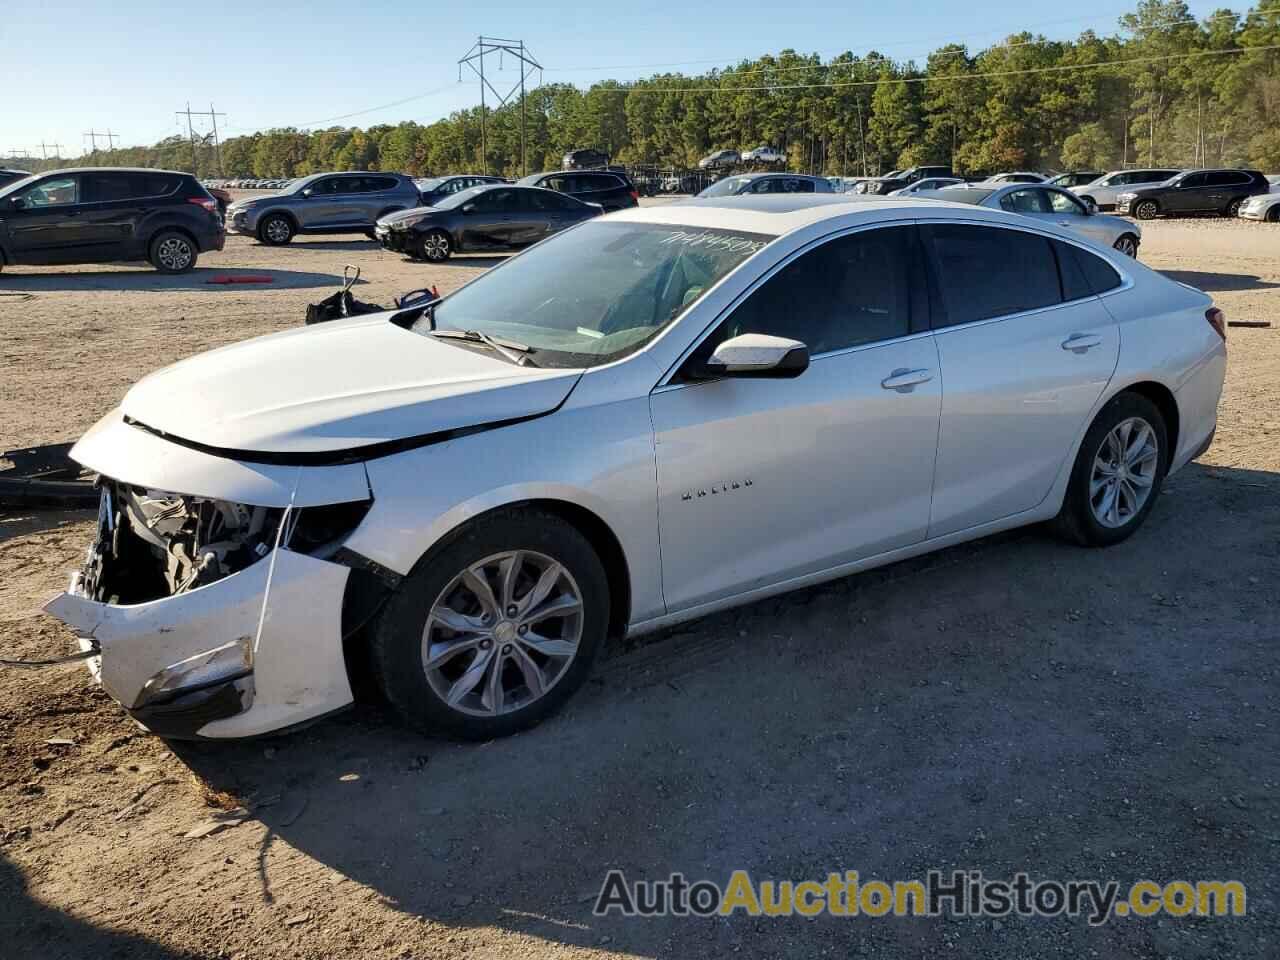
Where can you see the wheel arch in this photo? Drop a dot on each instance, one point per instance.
(1165, 402)
(176, 228)
(278, 211)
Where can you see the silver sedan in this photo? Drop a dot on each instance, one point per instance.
(1051, 205)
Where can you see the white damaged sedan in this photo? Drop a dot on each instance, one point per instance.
(641, 420)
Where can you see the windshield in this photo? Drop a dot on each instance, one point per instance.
(429, 184)
(893, 174)
(10, 187)
(459, 198)
(596, 292)
(726, 187)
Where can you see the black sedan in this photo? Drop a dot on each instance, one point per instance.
(486, 218)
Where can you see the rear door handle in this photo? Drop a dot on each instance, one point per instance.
(903, 380)
(1080, 342)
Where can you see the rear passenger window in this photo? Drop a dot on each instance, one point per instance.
(157, 184)
(986, 272)
(1101, 275)
(106, 187)
(850, 291)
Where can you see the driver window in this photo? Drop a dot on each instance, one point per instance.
(1025, 201)
(1062, 203)
(59, 192)
(850, 291)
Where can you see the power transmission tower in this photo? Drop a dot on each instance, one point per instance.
(110, 137)
(44, 150)
(213, 116)
(475, 58)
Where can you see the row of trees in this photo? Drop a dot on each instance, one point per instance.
(1168, 89)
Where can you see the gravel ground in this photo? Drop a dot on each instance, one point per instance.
(1012, 704)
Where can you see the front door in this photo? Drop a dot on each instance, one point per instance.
(45, 222)
(492, 218)
(762, 481)
(1022, 368)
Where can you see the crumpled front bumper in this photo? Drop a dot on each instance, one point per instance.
(287, 605)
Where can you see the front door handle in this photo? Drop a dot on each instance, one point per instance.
(904, 380)
(1080, 342)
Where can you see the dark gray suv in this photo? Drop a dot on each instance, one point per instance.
(323, 203)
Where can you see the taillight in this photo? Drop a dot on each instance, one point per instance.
(1218, 320)
(635, 195)
(207, 202)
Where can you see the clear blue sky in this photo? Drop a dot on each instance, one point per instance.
(127, 65)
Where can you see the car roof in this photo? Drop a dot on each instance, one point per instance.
(67, 171)
(781, 213)
(973, 194)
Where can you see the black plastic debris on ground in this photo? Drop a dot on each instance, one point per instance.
(45, 476)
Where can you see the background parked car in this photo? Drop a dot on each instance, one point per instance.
(1075, 178)
(763, 154)
(96, 215)
(584, 159)
(8, 176)
(1264, 206)
(1196, 191)
(897, 179)
(767, 183)
(490, 217)
(1105, 189)
(323, 203)
(720, 160)
(1016, 176)
(1052, 205)
(613, 191)
(224, 199)
(928, 183)
(435, 189)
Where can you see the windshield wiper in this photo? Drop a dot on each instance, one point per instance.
(502, 346)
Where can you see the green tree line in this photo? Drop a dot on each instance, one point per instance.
(1166, 89)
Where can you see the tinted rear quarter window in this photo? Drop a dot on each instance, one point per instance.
(986, 272)
(1100, 275)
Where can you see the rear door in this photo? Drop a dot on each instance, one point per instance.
(493, 218)
(377, 193)
(115, 203)
(1022, 362)
(45, 224)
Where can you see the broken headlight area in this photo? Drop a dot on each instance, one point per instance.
(152, 544)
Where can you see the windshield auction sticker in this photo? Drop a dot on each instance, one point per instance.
(957, 893)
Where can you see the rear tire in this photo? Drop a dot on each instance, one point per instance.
(1117, 474)
(1146, 210)
(276, 230)
(440, 642)
(173, 252)
(1233, 208)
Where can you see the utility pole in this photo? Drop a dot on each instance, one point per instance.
(483, 47)
(44, 150)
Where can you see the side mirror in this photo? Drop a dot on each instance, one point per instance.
(1091, 205)
(18, 203)
(759, 355)
(468, 208)
(308, 192)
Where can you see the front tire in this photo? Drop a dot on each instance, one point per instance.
(1273, 213)
(1233, 208)
(1128, 245)
(173, 252)
(1117, 474)
(492, 633)
(1147, 210)
(435, 247)
(276, 230)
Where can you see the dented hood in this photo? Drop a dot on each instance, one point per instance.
(338, 387)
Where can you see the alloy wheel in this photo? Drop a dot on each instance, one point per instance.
(1124, 470)
(174, 253)
(277, 230)
(1127, 245)
(502, 633)
(1147, 210)
(1233, 208)
(435, 246)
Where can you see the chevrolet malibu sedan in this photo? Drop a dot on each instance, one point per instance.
(646, 418)
(497, 217)
(1051, 205)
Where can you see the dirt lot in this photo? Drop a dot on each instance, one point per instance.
(1013, 704)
